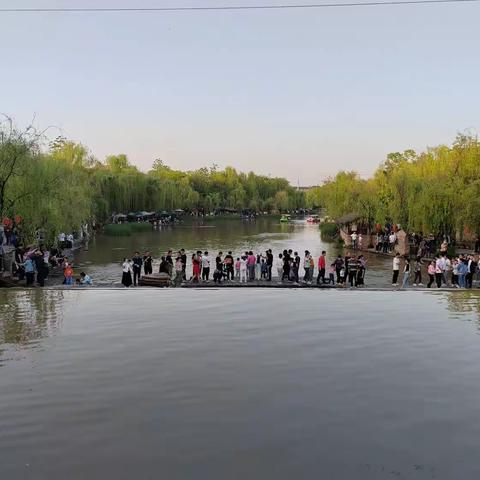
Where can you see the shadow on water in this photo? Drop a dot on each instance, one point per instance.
(28, 316)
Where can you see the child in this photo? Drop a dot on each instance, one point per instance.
(217, 275)
(237, 269)
(243, 270)
(68, 274)
(417, 268)
(331, 274)
(85, 279)
(264, 270)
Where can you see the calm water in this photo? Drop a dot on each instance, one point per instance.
(105, 254)
(238, 384)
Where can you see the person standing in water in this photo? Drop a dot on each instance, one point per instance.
(137, 268)
(251, 260)
(362, 266)
(169, 260)
(269, 265)
(280, 267)
(243, 269)
(417, 267)
(352, 271)
(258, 267)
(286, 266)
(68, 274)
(406, 273)
(178, 270)
(354, 237)
(183, 258)
(339, 268)
(147, 263)
(296, 267)
(396, 269)
(431, 273)
(30, 270)
(229, 266)
(237, 268)
(331, 274)
(164, 266)
(306, 266)
(205, 267)
(322, 262)
(196, 266)
(219, 267)
(127, 272)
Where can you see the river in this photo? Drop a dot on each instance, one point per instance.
(105, 253)
(235, 384)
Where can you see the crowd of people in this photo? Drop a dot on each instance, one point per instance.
(33, 265)
(288, 265)
(444, 271)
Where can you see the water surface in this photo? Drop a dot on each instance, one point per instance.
(239, 384)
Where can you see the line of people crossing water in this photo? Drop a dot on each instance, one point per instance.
(442, 271)
(288, 265)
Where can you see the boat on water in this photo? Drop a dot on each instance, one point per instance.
(312, 219)
(285, 218)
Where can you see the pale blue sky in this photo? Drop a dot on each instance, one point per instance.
(296, 93)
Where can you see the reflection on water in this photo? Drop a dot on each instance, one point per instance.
(463, 301)
(241, 383)
(26, 317)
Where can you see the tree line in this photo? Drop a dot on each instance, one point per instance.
(433, 192)
(62, 186)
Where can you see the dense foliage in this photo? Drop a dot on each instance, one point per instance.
(434, 192)
(62, 187)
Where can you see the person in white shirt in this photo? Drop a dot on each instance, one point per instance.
(127, 270)
(391, 240)
(243, 269)
(61, 240)
(448, 270)
(205, 266)
(279, 264)
(354, 237)
(439, 271)
(396, 269)
(70, 240)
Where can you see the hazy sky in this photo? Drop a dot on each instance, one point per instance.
(295, 93)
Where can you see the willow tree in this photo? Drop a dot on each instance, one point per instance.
(18, 150)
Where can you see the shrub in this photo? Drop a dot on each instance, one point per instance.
(328, 231)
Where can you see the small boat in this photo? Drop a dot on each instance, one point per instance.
(285, 218)
(313, 219)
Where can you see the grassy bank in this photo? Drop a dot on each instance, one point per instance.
(329, 232)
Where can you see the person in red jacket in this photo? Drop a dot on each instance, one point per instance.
(322, 262)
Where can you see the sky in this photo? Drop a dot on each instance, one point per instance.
(293, 93)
